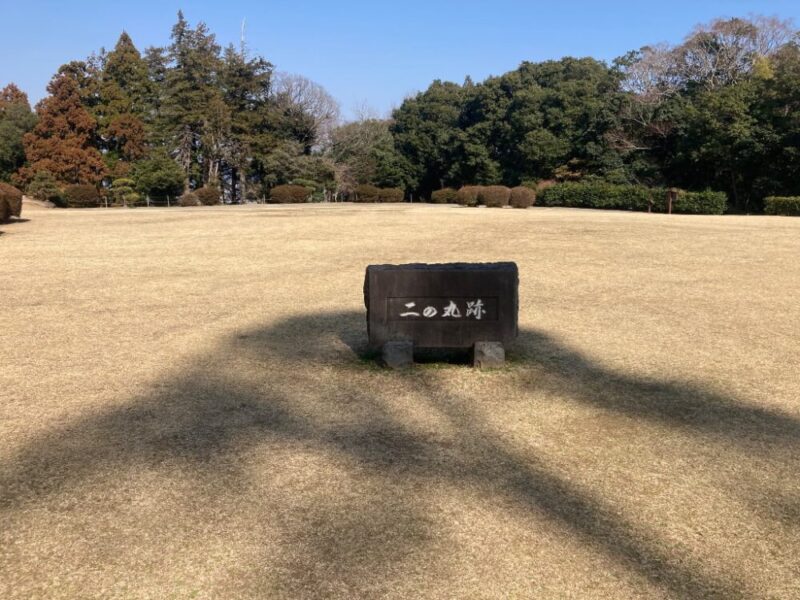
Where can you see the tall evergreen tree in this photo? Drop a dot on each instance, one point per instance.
(122, 105)
(191, 91)
(16, 119)
(62, 142)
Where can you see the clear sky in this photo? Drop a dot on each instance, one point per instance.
(364, 52)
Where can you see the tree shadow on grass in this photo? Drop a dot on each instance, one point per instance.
(209, 416)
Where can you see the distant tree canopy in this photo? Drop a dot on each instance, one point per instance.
(172, 119)
(721, 110)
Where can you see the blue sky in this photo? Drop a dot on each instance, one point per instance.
(364, 53)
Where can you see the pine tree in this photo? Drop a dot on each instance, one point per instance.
(123, 92)
(190, 91)
(62, 141)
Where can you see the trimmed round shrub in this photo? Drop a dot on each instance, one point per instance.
(788, 206)
(289, 194)
(494, 196)
(468, 195)
(367, 193)
(207, 196)
(10, 202)
(522, 197)
(81, 196)
(188, 199)
(445, 196)
(390, 195)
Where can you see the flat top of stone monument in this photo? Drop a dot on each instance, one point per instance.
(446, 266)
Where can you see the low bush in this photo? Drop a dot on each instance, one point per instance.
(445, 196)
(494, 196)
(44, 187)
(289, 194)
(700, 203)
(10, 202)
(788, 206)
(522, 197)
(207, 195)
(188, 199)
(468, 195)
(367, 193)
(81, 196)
(390, 194)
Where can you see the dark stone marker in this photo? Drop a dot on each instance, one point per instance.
(449, 306)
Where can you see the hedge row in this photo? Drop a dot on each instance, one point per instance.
(788, 206)
(371, 193)
(10, 202)
(496, 196)
(631, 197)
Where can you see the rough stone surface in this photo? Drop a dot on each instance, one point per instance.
(488, 355)
(434, 305)
(398, 354)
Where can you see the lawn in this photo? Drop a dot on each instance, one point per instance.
(186, 410)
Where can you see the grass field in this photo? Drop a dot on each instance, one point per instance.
(185, 411)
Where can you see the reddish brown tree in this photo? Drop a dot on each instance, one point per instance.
(61, 142)
(11, 94)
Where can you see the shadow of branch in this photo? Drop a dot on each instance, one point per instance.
(201, 419)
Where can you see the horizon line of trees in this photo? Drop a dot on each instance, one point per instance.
(721, 110)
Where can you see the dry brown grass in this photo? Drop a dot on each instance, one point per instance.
(184, 411)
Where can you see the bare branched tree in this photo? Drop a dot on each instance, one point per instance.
(309, 100)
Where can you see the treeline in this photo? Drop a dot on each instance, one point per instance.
(720, 111)
(187, 116)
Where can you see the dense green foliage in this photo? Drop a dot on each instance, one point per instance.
(782, 205)
(172, 119)
(81, 195)
(123, 193)
(158, 176)
(44, 187)
(700, 203)
(719, 111)
(16, 119)
(604, 195)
